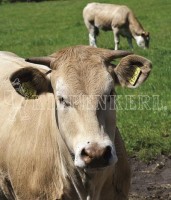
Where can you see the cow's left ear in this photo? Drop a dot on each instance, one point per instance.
(132, 71)
(30, 82)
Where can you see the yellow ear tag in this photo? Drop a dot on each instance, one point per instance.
(135, 76)
(28, 91)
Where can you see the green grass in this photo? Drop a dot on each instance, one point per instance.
(33, 29)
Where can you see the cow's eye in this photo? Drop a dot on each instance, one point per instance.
(63, 101)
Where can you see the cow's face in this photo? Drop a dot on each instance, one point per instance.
(83, 81)
(86, 118)
(143, 40)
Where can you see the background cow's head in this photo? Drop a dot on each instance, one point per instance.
(83, 81)
(143, 39)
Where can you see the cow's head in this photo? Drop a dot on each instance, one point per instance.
(83, 81)
(143, 39)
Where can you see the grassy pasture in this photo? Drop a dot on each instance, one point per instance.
(34, 29)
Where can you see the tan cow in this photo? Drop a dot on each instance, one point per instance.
(118, 18)
(56, 141)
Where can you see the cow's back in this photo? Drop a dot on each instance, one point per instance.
(105, 14)
(28, 138)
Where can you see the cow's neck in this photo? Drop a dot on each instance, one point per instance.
(93, 182)
(87, 184)
(71, 176)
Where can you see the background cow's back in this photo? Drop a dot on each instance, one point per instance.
(118, 18)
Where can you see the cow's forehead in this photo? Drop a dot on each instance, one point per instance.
(86, 79)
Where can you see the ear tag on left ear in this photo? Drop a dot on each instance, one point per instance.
(135, 76)
(28, 91)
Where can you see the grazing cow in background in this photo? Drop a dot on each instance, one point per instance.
(56, 139)
(118, 18)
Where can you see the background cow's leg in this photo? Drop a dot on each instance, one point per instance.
(92, 36)
(93, 32)
(129, 39)
(116, 37)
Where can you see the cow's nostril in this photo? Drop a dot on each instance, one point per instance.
(84, 153)
(107, 153)
(86, 156)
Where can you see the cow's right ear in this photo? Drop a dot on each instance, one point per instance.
(132, 71)
(30, 82)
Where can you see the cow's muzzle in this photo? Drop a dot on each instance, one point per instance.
(95, 156)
